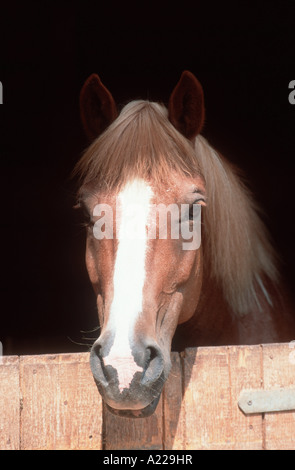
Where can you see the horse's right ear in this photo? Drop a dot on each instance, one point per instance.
(186, 106)
(97, 107)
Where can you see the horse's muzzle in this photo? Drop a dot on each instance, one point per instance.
(130, 386)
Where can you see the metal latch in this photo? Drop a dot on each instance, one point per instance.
(267, 401)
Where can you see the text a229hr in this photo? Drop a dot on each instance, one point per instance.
(153, 459)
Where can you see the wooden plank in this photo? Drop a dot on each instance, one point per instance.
(61, 405)
(207, 399)
(279, 372)
(245, 373)
(173, 410)
(134, 433)
(9, 403)
(214, 379)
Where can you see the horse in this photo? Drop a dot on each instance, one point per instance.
(154, 296)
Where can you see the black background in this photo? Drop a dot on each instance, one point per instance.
(244, 55)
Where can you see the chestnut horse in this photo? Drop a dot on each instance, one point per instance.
(151, 292)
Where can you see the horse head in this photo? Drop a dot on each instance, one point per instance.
(142, 192)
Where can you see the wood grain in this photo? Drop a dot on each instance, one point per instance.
(207, 399)
(173, 409)
(51, 402)
(245, 369)
(134, 433)
(278, 372)
(61, 406)
(9, 403)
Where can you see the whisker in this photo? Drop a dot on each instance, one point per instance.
(96, 328)
(79, 343)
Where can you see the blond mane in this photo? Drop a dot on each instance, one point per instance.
(142, 142)
(236, 243)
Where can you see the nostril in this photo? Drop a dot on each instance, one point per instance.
(96, 349)
(97, 354)
(151, 354)
(97, 364)
(153, 365)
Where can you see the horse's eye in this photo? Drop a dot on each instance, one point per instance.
(85, 216)
(191, 212)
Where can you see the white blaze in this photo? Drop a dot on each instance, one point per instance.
(129, 276)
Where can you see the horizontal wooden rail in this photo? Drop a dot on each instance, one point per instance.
(51, 402)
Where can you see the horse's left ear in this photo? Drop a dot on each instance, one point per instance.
(97, 107)
(186, 106)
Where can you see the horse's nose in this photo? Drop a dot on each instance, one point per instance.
(146, 360)
(127, 378)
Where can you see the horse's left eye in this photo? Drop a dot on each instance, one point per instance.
(191, 212)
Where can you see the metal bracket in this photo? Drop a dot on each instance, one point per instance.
(267, 401)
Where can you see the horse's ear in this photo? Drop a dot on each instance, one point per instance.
(97, 107)
(186, 106)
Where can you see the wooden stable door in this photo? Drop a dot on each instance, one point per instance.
(51, 402)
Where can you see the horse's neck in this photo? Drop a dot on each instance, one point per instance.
(215, 324)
